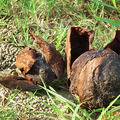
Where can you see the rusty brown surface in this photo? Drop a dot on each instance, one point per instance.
(40, 70)
(94, 74)
(115, 44)
(25, 59)
(97, 80)
(52, 56)
(44, 64)
(17, 82)
(78, 41)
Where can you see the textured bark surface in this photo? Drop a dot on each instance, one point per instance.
(17, 82)
(78, 41)
(52, 56)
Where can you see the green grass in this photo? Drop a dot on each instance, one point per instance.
(51, 20)
(6, 111)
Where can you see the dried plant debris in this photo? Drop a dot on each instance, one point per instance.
(115, 44)
(44, 64)
(17, 82)
(94, 76)
(34, 67)
(52, 56)
(78, 41)
(25, 59)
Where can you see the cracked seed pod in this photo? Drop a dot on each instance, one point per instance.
(115, 44)
(25, 59)
(78, 41)
(45, 63)
(52, 56)
(33, 65)
(17, 82)
(94, 75)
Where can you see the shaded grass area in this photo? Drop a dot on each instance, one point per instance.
(51, 19)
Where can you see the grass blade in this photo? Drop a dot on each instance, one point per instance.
(55, 106)
(113, 110)
(75, 112)
(110, 21)
(104, 111)
(102, 3)
(114, 3)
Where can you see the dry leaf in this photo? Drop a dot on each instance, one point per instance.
(17, 82)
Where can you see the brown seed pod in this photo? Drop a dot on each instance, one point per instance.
(34, 67)
(78, 41)
(52, 56)
(95, 77)
(25, 59)
(45, 63)
(17, 82)
(115, 44)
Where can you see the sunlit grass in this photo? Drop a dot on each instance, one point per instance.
(51, 20)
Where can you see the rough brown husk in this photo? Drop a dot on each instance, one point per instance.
(34, 67)
(44, 64)
(94, 75)
(97, 79)
(52, 56)
(78, 41)
(25, 59)
(115, 44)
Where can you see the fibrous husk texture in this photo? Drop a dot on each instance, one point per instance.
(44, 64)
(95, 78)
(78, 41)
(52, 56)
(115, 44)
(25, 59)
(34, 67)
(94, 75)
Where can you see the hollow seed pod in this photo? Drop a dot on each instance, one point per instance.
(45, 63)
(94, 74)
